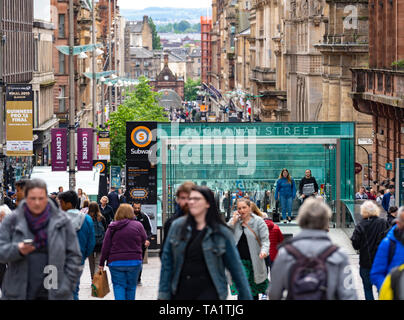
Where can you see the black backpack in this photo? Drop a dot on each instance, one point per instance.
(308, 275)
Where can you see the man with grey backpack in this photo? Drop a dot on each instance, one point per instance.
(310, 267)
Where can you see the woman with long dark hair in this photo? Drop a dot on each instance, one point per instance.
(197, 250)
(100, 226)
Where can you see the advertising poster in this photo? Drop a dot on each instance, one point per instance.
(104, 146)
(84, 149)
(19, 120)
(115, 177)
(59, 149)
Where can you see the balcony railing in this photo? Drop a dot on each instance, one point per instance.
(378, 82)
(345, 39)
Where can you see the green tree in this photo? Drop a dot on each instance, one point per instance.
(155, 36)
(191, 89)
(141, 105)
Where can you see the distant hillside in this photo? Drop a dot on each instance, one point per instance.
(166, 15)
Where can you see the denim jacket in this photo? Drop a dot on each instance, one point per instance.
(220, 252)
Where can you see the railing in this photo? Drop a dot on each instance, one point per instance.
(378, 81)
(345, 39)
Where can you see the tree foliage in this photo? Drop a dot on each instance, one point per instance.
(155, 36)
(141, 105)
(191, 89)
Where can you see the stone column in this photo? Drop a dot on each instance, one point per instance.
(334, 100)
(346, 102)
(323, 116)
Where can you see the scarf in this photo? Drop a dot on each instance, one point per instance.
(37, 225)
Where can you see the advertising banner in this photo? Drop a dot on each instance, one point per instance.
(84, 149)
(19, 120)
(115, 177)
(59, 149)
(104, 143)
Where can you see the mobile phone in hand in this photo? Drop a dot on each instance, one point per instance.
(28, 241)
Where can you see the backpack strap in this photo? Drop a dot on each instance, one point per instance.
(392, 250)
(328, 252)
(294, 252)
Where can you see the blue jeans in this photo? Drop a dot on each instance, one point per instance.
(76, 291)
(124, 281)
(367, 284)
(286, 205)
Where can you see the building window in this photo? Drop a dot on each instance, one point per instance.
(62, 100)
(61, 30)
(62, 63)
(146, 74)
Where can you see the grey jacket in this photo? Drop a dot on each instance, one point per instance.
(63, 255)
(339, 273)
(261, 230)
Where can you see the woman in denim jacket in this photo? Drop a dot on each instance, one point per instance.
(196, 252)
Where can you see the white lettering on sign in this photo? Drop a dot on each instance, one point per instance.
(85, 144)
(58, 148)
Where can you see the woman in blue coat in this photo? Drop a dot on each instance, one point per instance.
(285, 192)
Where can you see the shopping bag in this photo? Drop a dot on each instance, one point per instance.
(100, 286)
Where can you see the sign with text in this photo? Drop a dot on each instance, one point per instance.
(19, 120)
(59, 149)
(140, 137)
(141, 172)
(103, 185)
(84, 149)
(141, 182)
(104, 144)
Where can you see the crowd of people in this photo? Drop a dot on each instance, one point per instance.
(62, 230)
(202, 254)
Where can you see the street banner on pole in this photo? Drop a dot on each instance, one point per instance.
(19, 126)
(104, 143)
(84, 149)
(59, 149)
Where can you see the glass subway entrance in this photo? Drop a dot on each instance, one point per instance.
(240, 159)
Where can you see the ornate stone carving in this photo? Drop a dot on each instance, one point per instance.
(317, 7)
(293, 8)
(305, 8)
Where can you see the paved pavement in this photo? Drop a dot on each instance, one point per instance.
(151, 270)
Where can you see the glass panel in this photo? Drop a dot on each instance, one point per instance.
(254, 167)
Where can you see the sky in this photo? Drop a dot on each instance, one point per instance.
(138, 5)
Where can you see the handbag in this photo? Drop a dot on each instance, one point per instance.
(100, 286)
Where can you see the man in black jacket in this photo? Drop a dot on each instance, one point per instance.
(308, 186)
(144, 220)
(181, 208)
(113, 199)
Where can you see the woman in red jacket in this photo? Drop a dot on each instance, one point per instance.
(275, 238)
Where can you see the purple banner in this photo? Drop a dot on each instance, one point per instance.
(59, 149)
(84, 149)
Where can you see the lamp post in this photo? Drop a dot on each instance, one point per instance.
(72, 158)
